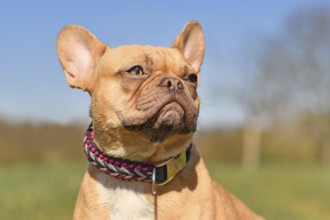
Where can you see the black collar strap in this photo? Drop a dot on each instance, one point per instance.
(157, 174)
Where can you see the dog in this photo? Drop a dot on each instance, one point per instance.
(144, 110)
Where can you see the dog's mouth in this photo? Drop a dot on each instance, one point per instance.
(171, 118)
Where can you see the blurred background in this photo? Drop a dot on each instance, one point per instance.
(264, 128)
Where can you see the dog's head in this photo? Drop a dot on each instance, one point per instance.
(144, 102)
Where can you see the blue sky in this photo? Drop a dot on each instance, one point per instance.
(32, 84)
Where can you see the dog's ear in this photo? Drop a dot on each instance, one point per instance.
(190, 42)
(79, 52)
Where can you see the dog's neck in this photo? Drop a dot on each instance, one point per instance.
(127, 170)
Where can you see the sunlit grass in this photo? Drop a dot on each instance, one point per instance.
(39, 191)
(275, 191)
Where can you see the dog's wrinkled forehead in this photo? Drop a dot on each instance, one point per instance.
(83, 56)
(151, 59)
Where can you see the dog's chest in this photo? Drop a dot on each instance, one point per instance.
(123, 199)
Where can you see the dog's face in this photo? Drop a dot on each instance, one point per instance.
(144, 102)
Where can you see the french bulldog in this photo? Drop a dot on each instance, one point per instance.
(144, 110)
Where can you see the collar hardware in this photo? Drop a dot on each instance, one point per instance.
(173, 166)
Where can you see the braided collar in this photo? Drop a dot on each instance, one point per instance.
(127, 170)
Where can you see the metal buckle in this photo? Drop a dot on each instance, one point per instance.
(173, 166)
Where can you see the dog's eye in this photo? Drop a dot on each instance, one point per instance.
(192, 78)
(136, 71)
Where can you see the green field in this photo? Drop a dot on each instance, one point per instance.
(275, 191)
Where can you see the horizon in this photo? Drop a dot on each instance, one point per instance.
(33, 86)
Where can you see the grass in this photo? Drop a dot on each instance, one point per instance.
(275, 191)
(39, 191)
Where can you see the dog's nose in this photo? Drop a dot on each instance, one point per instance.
(172, 83)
